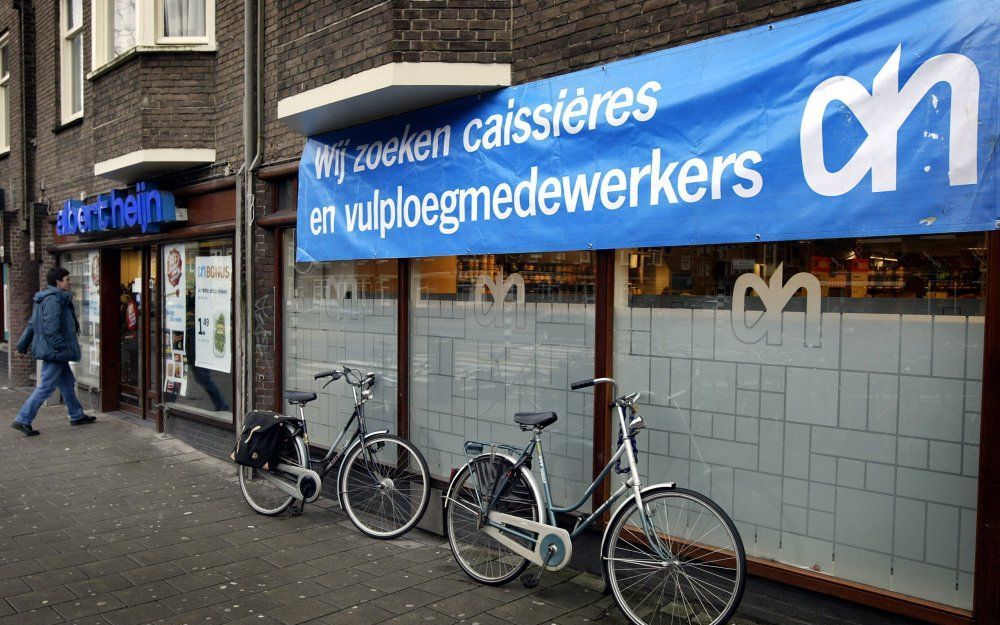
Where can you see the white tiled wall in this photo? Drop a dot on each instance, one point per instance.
(325, 329)
(857, 458)
(468, 380)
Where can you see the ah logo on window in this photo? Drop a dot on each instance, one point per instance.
(494, 313)
(775, 297)
(882, 113)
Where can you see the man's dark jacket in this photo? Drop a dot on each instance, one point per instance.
(52, 330)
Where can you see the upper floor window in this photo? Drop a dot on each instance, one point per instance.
(123, 25)
(183, 19)
(4, 94)
(71, 68)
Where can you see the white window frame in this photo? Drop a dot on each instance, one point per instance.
(148, 33)
(208, 39)
(66, 36)
(5, 97)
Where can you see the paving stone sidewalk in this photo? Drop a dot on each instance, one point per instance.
(113, 524)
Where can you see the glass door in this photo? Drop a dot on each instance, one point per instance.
(151, 331)
(130, 299)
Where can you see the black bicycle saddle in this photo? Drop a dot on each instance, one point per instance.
(541, 419)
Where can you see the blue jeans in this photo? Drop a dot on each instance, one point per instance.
(54, 375)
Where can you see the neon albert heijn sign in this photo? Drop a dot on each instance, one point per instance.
(146, 207)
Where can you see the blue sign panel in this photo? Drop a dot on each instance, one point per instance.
(877, 118)
(147, 208)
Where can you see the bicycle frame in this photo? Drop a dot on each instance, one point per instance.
(633, 483)
(336, 453)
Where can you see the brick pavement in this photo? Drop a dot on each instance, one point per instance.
(112, 524)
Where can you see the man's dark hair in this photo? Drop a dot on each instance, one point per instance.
(56, 274)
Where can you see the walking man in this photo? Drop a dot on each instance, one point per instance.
(52, 337)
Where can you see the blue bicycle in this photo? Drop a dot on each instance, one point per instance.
(668, 554)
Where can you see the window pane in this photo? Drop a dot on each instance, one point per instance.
(340, 313)
(493, 335)
(123, 26)
(197, 327)
(85, 269)
(74, 13)
(836, 419)
(4, 117)
(76, 75)
(184, 18)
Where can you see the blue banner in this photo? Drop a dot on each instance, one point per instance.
(876, 118)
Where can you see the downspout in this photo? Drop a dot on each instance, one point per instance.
(244, 217)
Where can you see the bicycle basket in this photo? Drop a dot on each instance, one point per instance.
(259, 444)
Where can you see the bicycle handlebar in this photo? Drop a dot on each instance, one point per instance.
(333, 373)
(368, 380)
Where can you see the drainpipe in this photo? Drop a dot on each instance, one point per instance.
(245, 214)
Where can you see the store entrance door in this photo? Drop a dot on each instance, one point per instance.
(137, 327)
(130, 332)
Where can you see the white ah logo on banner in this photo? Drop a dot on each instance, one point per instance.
(775, 296)
(882, 113)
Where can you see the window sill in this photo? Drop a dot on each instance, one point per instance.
(4, 153)
(162, 48)
(75, 121)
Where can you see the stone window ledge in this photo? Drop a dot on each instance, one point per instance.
(163, 48)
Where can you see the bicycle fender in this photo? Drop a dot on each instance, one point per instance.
(614, 517)
(527, 476)
(347, 452)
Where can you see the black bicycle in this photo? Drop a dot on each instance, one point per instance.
(383, 483)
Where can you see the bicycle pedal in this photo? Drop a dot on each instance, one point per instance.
(531, 579)
(295, 510)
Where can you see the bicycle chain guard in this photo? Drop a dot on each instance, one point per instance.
(548, 537)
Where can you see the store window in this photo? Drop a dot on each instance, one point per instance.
(121, 26)
(4, 93)
(494, 335)
(197, 327)
(71, 67)
(340, 314)
(85, 270)
(825, 393)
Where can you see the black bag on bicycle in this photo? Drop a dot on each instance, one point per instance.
(259, 444)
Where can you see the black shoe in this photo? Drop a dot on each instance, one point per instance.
(26, 428)
(84, 420)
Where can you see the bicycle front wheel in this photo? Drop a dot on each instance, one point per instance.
(680, 560)
(483, 558)
(385, 486)
(262, 495)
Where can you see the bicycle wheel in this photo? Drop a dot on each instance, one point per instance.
(693, 568)
(262, 495)
(484, 559)
(385, 486)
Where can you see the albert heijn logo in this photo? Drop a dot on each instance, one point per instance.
(775, 296)
(882, 113)
(146, 207)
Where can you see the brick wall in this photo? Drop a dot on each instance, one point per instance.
(15, 175)
(552, 38)
(327, 41)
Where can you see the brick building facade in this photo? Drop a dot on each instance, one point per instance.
(182, 116)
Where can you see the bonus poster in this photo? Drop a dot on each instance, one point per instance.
(213, 301)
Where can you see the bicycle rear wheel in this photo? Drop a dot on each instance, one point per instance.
(482, 558)
(689, 568)
(262, 495)
(385, 486)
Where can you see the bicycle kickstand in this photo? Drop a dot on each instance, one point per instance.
(531, 579)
